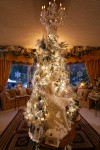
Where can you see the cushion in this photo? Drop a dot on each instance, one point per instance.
(80, 92)
(1, 88)
(7, 94)
(85, 93)
(12, 93)
(17, 92)
(74, 89)
(22, 91)
(29, 91)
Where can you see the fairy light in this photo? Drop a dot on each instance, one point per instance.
(50, 79)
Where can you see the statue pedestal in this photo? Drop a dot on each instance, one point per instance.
(65, 141)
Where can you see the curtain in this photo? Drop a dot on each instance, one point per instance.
(93, 69)
(5, 66)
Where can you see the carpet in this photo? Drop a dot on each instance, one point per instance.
(15, 136)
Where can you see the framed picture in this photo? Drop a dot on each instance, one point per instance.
(49, 140)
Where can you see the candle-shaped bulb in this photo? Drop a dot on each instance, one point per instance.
(60, 4)
(49, 3)
(64, 8)
(42, 7)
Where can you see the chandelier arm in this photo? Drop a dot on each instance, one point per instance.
(52, 18)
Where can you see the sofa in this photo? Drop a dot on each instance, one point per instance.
(10, 97)
(83, 97)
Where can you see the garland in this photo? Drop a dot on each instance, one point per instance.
(79, 51)
(76, 51)
(17, 51)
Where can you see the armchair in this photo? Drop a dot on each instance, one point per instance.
(8, 98)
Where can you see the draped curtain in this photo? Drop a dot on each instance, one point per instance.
(93, 69)
(5, 66)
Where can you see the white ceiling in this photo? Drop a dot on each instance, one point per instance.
(20, 22)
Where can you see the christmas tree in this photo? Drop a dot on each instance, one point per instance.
(53, 105)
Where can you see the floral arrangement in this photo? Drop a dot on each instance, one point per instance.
(97, 81)
(17, 51)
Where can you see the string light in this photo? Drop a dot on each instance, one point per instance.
(51, 90)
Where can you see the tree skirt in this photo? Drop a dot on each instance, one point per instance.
(15, 136)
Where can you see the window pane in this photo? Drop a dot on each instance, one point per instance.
(78, 74)
(18, 74)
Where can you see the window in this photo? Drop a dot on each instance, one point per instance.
(78, 74)
(23, 74)
(20, 73)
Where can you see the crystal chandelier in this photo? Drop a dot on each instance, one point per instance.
(52, 17)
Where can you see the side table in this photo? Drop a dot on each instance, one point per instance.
(94, 98)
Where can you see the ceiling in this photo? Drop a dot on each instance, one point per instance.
(20, 22)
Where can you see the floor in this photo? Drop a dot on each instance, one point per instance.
(89, 115)
(92, 118)
(6, 117)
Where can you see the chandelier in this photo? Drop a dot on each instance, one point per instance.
(52, 17)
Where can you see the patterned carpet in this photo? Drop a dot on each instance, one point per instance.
(15, 136)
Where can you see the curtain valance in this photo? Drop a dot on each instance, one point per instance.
(18, 59)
